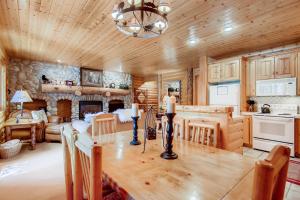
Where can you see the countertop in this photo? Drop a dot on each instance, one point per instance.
(249, 113)
(252, 113)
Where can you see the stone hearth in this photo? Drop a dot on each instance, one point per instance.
(25, 74)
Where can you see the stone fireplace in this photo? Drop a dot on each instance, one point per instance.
(89, 107)
(26, 75)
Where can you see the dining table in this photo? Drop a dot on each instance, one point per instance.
(200, 172)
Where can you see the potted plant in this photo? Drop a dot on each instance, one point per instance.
(251, 104)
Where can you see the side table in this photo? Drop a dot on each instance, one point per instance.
(30, 124)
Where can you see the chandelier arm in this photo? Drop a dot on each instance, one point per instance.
(152, 10)
(137, 19)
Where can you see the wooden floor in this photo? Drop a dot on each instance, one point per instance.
(44, 168)
(292, 191)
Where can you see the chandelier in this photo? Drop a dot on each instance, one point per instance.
(142, 18)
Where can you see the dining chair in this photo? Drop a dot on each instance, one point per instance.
(202, 131)
(103, 124)
(270, 175)
(88, 164)
(68, 137)
(178, 126)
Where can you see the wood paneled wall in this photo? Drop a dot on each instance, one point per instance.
(186, 78)
(200, 83)
(150, 85)
(3, 65)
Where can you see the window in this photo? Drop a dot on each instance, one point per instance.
(2, 87)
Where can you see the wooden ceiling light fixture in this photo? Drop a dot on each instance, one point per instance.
(142, 18)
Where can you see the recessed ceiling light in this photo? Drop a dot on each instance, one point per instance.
(228, 28)
(193, 41)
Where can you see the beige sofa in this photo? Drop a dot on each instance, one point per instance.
(45, 131)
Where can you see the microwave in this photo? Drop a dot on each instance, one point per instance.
(276, 87)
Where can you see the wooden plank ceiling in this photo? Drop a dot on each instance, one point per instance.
(82, 32)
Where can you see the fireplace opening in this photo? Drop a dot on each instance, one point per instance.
(114, 105)
(89, 107)
(64, 109)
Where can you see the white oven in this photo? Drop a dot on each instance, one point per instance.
(269, 131)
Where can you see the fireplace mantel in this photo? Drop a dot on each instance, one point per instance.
(83, 90)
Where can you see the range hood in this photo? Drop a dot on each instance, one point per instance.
(276, 87)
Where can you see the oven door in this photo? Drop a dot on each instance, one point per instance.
(279, 129)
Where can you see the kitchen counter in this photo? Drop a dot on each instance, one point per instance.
(250, 113)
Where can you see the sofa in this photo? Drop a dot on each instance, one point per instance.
(49, 131)
(82, 126)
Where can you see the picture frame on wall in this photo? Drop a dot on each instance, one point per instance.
(91, 77)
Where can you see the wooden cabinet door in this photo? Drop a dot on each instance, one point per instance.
(230, 71)
(285, 65)
(265, 68)
(247, 137)
(214, 73)
(251, 79)
(298, 75)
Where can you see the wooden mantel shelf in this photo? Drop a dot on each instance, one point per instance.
(49, 88)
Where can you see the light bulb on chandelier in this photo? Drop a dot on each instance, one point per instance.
(134, 2)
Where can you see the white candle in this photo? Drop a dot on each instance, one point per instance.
(135, 110)
(170, 107)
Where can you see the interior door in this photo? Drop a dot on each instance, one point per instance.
(265, 68)
(285, 65)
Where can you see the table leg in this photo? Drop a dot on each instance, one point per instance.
(7, 133)
(33, 137)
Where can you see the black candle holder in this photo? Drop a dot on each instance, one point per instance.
(135, 140)
(169, 154)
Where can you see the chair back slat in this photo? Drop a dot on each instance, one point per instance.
(270, 175)
(178, 126)
(204, 132)
(88, 157)
(68, 153)
(104, 124)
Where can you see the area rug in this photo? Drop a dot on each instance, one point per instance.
(294, 172)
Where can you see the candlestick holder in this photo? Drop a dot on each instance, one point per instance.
(135, 140)
(169, 154)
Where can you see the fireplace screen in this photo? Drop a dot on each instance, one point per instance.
(89, 107)
(115, 105)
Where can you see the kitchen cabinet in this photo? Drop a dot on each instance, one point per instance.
(214, 73)
(247, 137)
(224, 71)
(251, 78)
(285, 65)
(297, 137)
(265, 68)
(230, 71)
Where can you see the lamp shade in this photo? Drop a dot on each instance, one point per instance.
(21, 96)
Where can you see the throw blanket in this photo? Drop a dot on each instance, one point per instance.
(125, 115)
(81, 126)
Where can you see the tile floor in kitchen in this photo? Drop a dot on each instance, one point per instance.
(292, 191)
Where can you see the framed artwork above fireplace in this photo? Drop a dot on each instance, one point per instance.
(91, 77)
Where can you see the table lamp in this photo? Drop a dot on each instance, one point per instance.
(21, 96)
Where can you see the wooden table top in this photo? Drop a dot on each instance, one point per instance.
(12, 122)
(200, 172)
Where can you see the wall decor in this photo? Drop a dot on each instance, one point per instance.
(91, 77)
(69, 83)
